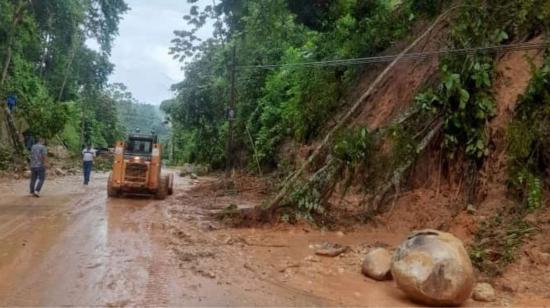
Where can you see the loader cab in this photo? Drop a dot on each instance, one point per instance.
(140, 145)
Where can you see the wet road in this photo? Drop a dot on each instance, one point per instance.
(75, 247)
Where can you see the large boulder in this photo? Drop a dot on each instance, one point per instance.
(433, 268)
(377, 264)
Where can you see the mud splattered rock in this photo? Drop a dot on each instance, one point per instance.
(433, 268)
(197, 170)
(329, 249)
(377, 264)
(484, 292)
(59, 172)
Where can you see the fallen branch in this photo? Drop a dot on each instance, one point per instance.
(290, 181)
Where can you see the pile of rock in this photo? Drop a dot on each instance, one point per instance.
(193, 170)
(431, 267)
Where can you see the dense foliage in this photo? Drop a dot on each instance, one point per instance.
(464, 94)
(283, 103)
(58, 80)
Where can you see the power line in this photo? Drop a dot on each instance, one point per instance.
(410, 56)
(384, 59)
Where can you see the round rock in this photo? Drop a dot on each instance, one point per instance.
(377, 264)
(433, 268)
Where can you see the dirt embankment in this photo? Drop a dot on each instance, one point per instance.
(434, 196)
(434, 193)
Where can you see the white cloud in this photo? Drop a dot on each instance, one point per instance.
(166, 61)
(140, 52)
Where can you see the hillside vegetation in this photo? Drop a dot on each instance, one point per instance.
(59, 81)
(56, 77)
(278, 102)
(430, 138)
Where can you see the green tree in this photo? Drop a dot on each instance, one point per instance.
(46, 63)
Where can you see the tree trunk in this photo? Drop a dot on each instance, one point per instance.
(10, 125)
(67, 70)
(6, 66)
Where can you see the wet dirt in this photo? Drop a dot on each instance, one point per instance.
(76, 247)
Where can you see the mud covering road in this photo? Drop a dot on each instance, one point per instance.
(75, 247)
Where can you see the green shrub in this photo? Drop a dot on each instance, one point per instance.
(6, 157)
(497, 243)
(528, 137)
(353, 146)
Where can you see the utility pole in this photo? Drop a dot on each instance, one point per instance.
(231, 115)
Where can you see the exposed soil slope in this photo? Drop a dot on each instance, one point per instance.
(434, 193)
(434, 196)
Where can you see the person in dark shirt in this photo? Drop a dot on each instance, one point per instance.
(39, 162)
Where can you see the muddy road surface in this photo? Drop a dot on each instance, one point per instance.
(75, 247)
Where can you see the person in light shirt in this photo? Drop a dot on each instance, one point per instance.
(88, 155)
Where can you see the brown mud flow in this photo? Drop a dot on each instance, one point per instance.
(75, 247)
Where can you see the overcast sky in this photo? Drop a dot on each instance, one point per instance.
(140, 52)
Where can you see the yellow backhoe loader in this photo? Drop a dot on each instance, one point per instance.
(137, 168)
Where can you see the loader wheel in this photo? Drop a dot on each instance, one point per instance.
(112, 191)
(170, 184)
(162, 190)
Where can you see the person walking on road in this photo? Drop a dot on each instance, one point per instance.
(88, 155)
(39, 162)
